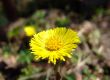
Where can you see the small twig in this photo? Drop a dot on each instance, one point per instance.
(49, 71)
(33, 76)
(78, 75)
(77, 69)
(81, 63)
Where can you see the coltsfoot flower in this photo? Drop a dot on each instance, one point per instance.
(29, 30)
(54, 44)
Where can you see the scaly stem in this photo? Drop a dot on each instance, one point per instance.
(57, 71)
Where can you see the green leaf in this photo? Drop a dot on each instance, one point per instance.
(25, 56)
(62, 22)
(70, 77)
(13, 32)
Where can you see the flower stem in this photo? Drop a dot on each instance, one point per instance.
(57, 71)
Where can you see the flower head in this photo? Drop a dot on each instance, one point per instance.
(54, 44)
(29, 30)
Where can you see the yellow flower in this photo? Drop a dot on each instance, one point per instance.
(29, 30)
(54, 44)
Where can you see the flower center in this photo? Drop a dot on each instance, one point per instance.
(53, 44)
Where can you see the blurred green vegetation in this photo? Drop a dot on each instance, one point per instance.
(92, 51)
